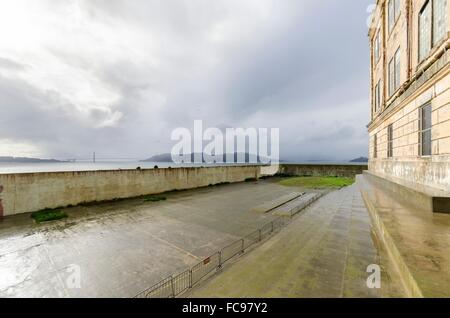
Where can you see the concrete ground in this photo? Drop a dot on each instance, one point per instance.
(122, 248)
(324, 252)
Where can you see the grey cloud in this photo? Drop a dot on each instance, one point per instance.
(9, 64)
(314, 63)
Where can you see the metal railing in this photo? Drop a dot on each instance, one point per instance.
(298, 208)
(175, 285)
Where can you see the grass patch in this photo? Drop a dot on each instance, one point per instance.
(48, 215)
(317, 182)
(154, 198)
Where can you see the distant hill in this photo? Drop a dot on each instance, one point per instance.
(360, 159)
(26, 160)
(167, 157)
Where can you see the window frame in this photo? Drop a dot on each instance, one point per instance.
(433, 41)
(397, 69)
(391, 77)
(420, 39)
(375, 146)
(375, 93)
(394, 82)
(393, 13)
(377, 47)
(390, 141)
(377, 97)
(423, 130)
(397, 9)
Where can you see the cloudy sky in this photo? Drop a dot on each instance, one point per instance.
(117, 76)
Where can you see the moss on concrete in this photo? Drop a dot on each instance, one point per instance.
(317, 182)
(48, 215)
(154, 198)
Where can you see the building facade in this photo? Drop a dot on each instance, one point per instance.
(410, 92)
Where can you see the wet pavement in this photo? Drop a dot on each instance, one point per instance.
(324, 252)
(119, 249)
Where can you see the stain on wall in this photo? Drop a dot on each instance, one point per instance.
(1, 204)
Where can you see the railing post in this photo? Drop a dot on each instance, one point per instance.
(260, 235)
(242, 247)
(190, 278)
(220, 259)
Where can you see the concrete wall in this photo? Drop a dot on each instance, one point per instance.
(433, 172)
(36, 191)
(322, 170)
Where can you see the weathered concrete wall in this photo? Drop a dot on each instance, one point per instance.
(269, 170)
(1, 203)
(349, 170)
(432, 172)
(35, 191)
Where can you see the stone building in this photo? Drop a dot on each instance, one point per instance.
(410, 93)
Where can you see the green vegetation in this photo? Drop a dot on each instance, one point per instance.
(317, 182)
(48, 215)
(154, 198)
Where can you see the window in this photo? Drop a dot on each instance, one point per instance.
(439, 20)
(391, 19)
(425, 130)
(432, 26)
(391, 78)
(397, 6)
(394, 8)
(390, 148)
(425, 31)
(377, 96)
(375, 99)
(375, 146)
(397, 70)
(394, 73)
(377, 48)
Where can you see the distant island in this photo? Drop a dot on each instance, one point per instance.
(360, 159)
(167, 158)
(26, 160)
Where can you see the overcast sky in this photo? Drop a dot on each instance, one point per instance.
(117, 76)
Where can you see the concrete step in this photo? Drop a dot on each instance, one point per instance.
(425, 198)
(417, 240)
(271, 205)
(295, 206)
